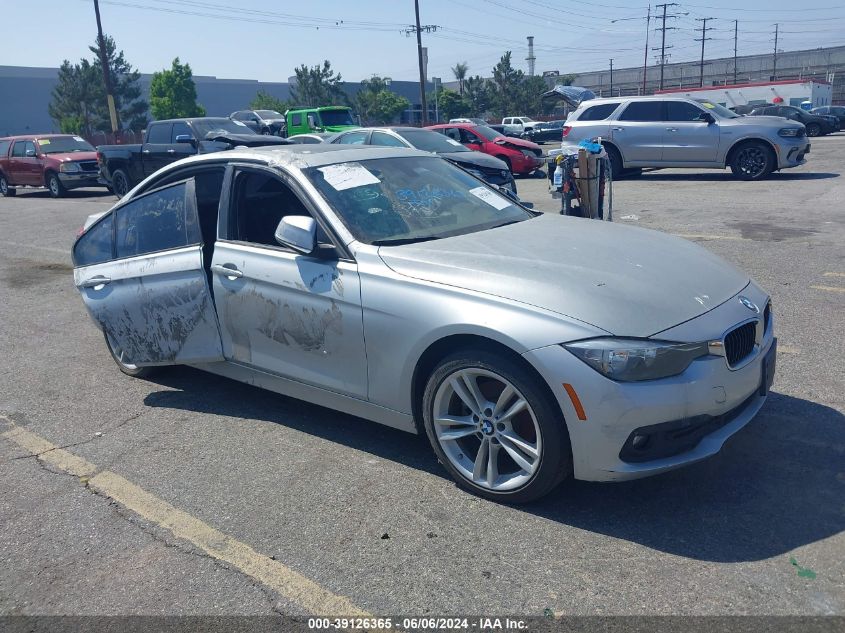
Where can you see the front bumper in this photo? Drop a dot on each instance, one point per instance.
(523, 164)
(792, 154)
(80, 179)
(708, 392)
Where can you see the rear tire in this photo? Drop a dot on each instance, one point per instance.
(813, 129)
(525, 454)
(127, 368)
(54, 185)
(120, 183)
(753, 160)
(5, 190)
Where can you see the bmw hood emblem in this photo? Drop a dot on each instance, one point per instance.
(748, 303)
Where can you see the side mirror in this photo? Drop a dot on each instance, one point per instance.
(185, 138)
(298, 232)
(312, 122)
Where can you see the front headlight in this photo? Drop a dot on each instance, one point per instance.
(630, 360)
(790, 132)
(69, 167)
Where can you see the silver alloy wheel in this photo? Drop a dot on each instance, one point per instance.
(487, 429)
(118, 355)
(4, 186)
(55, 185)
(751, 161)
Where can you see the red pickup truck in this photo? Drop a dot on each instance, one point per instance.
(56, 161)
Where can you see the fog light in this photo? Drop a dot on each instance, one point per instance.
(640, 441)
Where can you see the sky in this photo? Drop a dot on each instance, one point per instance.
(267, 39)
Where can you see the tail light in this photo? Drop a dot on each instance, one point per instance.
(566, 130)
(100, 159)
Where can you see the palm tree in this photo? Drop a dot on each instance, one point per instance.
(460, 71)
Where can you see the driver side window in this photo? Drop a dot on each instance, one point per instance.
(259, 202)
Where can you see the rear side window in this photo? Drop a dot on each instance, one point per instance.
(18, 150)
(598, 112)
(380, 138)
(94, 247)
(158, 221)
(643, 111)
(353, 138)
(159, 133)
(4, 148)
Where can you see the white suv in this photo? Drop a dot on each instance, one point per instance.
(518, 125)
(664, 131)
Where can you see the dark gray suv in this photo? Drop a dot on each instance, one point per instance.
(666, 131)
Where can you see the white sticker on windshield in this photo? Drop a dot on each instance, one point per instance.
(348, 175)
(79, 139)
(453, 141)
(493, 199)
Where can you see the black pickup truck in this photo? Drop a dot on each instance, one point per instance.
(124, 166)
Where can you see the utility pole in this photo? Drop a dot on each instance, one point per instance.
(663, 30)
(775, 59)
(736, 34)
(104, 62)
(703, 39)
(645, 57)
(611, 76)
(428, 28)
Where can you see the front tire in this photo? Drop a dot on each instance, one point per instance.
(752, 161)
(814, 129)
(615, 161)
(123, 364)
(120, 183)
(5, 190)
(55, 186)
(494, 428)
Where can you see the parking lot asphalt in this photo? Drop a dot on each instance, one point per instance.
(192, 494)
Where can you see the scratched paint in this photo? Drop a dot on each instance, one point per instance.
(154, 326)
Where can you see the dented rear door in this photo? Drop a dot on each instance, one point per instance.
(152, 296)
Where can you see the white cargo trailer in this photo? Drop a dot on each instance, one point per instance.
(788, 91)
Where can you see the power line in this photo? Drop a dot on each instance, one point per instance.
(775, 58)
(416, 28)
(663, 28)
(703, 39)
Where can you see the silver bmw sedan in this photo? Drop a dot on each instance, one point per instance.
(392, 285)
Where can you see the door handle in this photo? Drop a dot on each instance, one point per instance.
(171, 151)
(229, 271)
(671, 129)
(99, 280)
(145, 151)
(617, 129)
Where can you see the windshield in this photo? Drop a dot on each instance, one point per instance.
(722, 111)
(335, 117)
(392, 201)
(204, 126)
(488, 133)
(431, 141)
(64, 145)
(269, 114)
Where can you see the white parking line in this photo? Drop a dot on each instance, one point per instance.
(271, 573)
(829, 288)
(65, 251)
(706, 236)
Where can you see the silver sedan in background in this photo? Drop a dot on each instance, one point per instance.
(392, 285)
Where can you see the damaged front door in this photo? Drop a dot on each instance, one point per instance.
(295, 315)
(141, 276)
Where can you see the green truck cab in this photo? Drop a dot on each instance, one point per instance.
(322, 119)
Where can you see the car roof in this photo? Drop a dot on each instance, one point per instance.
(304, 156)
(27, 137)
